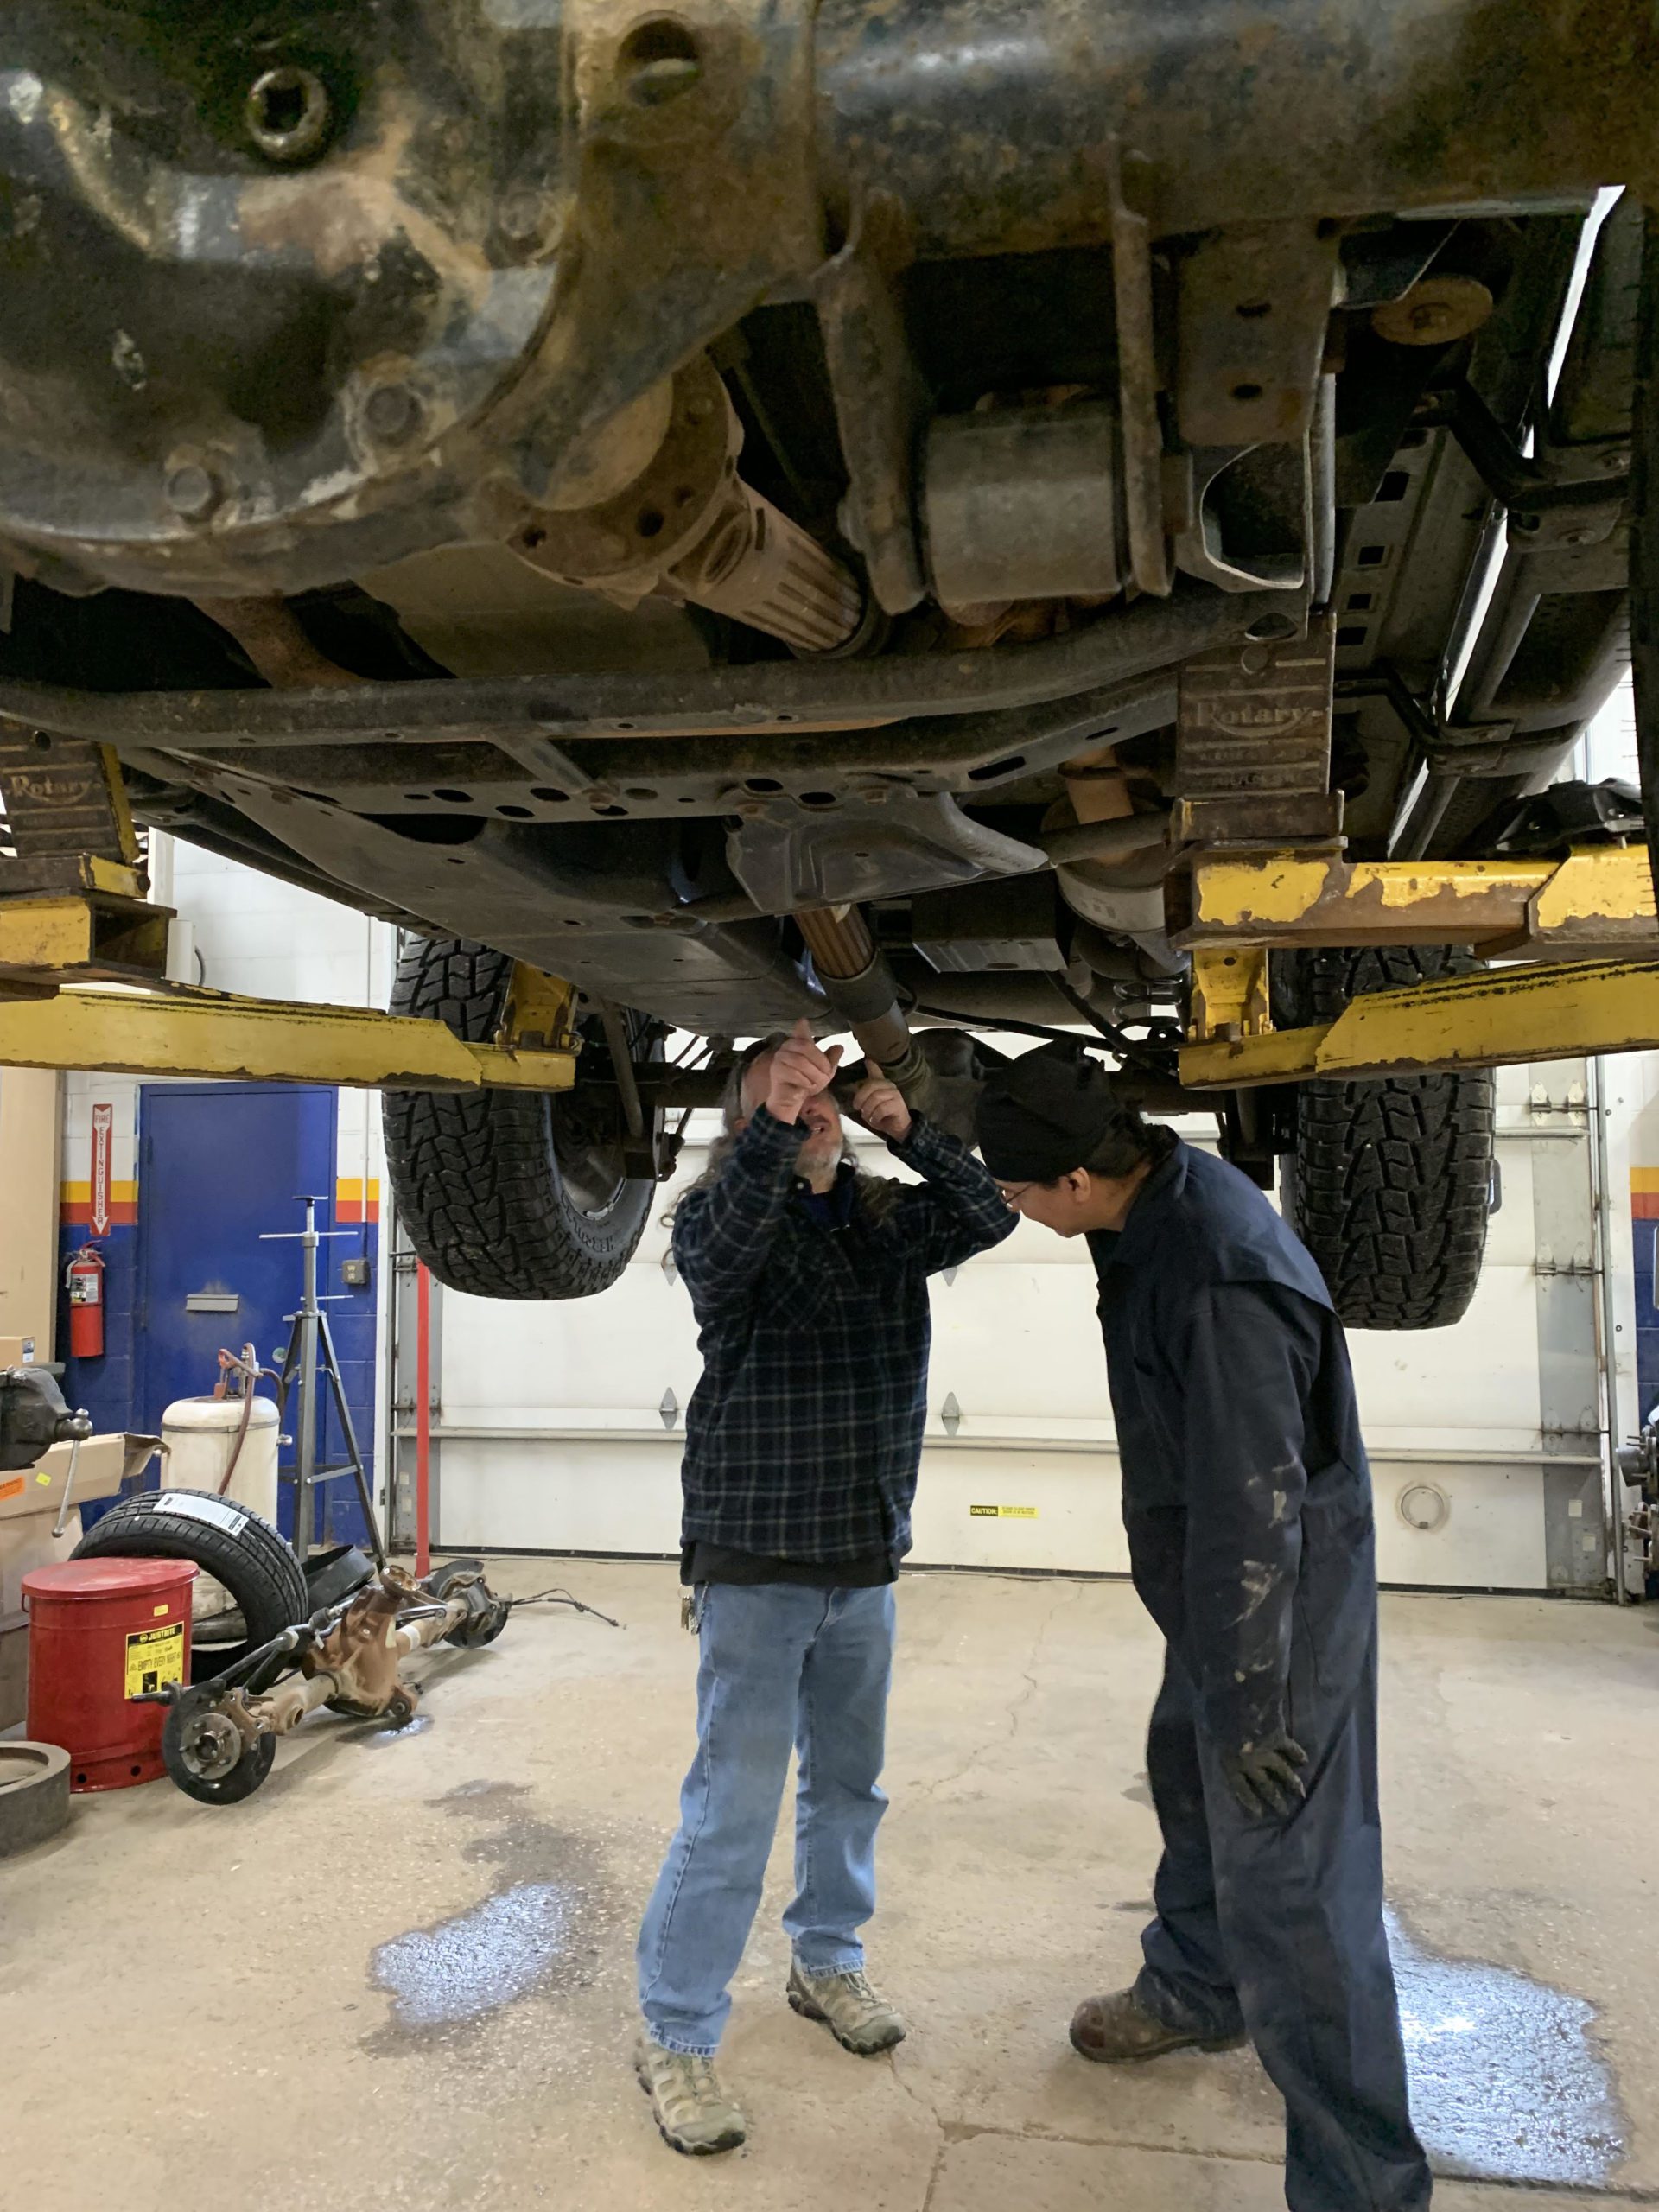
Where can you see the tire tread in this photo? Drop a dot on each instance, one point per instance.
(1390, 1184)
(473, 1173)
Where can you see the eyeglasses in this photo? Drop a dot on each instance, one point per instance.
(1012, 1192)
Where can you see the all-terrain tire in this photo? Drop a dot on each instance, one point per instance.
(1390, 1184)
(227, 1540)
(476, 1174)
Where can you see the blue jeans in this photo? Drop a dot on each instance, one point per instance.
(781, 1665)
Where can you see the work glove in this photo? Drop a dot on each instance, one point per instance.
(1263, 1776)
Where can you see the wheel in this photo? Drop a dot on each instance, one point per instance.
(227, 1540)
(208, 1754)
(507, 1193)
(1389, 1183)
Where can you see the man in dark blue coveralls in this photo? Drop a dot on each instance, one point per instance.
(1246, 1499)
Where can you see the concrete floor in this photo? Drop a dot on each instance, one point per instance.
(399, 1976)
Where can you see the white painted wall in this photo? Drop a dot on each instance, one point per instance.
(551, 1434)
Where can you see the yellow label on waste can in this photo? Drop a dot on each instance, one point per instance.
(1003, 1512)
(155, 1658)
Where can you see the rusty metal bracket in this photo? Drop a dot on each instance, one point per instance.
(1253, 304)
(880, 401)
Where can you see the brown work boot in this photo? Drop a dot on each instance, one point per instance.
(1117, 2031)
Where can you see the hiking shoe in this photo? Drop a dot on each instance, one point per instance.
(693, 2112)
(1118, 2030)
(859, 2019)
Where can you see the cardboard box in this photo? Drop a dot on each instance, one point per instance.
(105, 1464)
(29, 1499)
(16, 1351)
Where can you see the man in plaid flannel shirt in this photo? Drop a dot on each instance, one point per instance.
(803, 1440)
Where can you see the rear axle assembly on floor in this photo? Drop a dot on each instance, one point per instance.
(220, 1736)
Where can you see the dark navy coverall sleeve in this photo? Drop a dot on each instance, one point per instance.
(1251, 1353)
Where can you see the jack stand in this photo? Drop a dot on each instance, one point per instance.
(312, 1337)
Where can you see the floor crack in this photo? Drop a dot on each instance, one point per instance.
(1016, 1707)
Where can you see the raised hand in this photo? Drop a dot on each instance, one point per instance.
(798, 1071)
(880, 1106)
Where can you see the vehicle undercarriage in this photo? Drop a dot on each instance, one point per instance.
(761, 510)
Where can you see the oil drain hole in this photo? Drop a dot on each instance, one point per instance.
(289, 114)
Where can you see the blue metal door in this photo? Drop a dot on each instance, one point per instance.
(220, 1166)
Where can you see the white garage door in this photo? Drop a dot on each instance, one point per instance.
(559, 1428)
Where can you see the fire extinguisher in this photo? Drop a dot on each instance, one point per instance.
(84, 1279)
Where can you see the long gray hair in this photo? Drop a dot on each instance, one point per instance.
(876, 1193)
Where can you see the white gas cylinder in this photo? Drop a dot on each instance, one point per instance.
(198, 1435)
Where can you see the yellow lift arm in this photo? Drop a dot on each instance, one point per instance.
(1491, 1018)
(211, 1034)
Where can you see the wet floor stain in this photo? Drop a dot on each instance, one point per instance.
(1507, 2083)
(550, 1921)
(479, 1962)
(416, 1725)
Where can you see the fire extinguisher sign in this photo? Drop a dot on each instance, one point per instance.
(103, 1124)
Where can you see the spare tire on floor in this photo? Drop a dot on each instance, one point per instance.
(1390, 1184)
(227, 1540)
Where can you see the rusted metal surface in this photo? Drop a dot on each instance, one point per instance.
(1255, 304)
(990, 120)
(1134, 641)
(880, 403)
(1022, 503)
(1138, 378)
(672, 513)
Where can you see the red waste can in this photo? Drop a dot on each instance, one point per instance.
(101, 1632)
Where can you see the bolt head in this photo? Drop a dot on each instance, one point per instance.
(191, 492)
(526, 217)
(392, 414)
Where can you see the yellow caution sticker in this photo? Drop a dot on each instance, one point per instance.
(155, 1658)
(1003, 1512)
(43, 1482)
